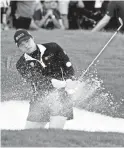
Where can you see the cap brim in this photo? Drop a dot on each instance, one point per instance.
(23, 39)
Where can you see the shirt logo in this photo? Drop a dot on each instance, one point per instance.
(48, 57)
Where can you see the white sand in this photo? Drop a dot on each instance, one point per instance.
(13, 116)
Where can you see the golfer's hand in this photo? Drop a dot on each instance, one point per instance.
(58, 84)
(71, 86)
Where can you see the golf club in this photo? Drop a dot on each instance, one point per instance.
(121, 24)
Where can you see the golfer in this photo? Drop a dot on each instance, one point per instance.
(47, 68)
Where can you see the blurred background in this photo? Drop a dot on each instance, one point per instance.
(54, 14)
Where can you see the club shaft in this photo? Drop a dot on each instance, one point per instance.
(100, 53)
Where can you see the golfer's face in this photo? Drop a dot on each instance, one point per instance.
(27, 46)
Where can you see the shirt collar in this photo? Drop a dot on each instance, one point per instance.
(42, 50)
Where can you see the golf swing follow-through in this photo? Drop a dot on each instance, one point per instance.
(73, 87)
(48, 68)
(121, 24)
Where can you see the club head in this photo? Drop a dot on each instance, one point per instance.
(121, 22)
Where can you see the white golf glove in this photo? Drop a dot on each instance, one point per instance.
(58, 84)
(71, 86)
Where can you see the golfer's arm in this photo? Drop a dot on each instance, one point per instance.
(102, 23)
(66, 64)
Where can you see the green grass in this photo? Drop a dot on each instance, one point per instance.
(59, 138)
(82, 47)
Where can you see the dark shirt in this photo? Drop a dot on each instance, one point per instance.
(47, 62)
